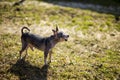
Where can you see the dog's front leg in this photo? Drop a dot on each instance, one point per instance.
(45, 56)
(50, 53)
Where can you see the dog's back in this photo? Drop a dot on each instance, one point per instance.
(34, 40)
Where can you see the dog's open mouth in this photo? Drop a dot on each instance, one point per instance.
(66, 39)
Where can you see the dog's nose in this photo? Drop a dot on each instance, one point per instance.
(67, 35)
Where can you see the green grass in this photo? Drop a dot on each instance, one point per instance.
(91, 53)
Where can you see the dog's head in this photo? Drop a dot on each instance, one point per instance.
(60, 35)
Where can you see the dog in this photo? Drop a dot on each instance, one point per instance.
(44, 44)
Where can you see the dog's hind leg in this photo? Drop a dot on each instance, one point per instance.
(26, 52)
(24, 46)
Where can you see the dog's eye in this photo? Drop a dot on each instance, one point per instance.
(61, 35)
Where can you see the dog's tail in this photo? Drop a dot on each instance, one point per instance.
(24, 28)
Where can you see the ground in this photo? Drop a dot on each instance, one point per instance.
(91, 53)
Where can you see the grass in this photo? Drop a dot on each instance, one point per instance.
(92, 52)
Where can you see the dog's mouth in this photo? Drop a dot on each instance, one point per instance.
(66, 39)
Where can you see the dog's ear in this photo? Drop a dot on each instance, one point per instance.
(54, 32)
(57, 28)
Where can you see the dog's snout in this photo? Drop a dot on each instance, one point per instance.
(66, 38)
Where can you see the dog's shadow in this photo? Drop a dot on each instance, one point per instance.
(26, 71)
